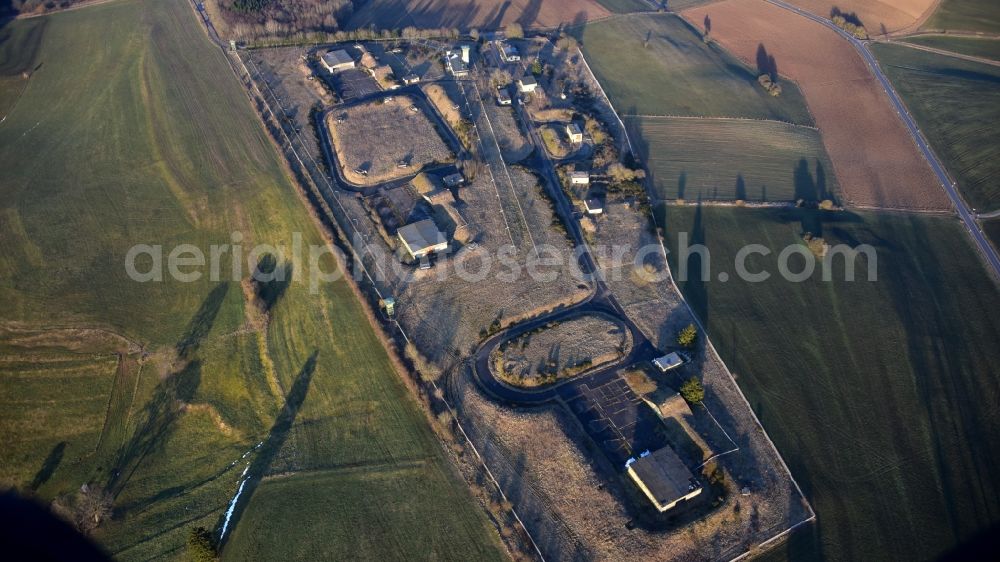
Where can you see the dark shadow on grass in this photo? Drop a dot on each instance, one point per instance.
(201, 323)
(741, 188)
(271, 280)
(272, 444)
(49, 466)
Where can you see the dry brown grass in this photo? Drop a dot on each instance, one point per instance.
(377, 136)
(876, 161)
(563, 350)
(893, 15)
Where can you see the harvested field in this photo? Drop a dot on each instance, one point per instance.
(561, 350)
(378, 136)
(876, 161)
(464, 15)
(733, 159)
(992, 230)
(678, 74)
(878, 16)
(979, 16)
(957, 105)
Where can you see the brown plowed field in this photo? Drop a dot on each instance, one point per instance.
(876, 161)
(894, 15)
(467, 14)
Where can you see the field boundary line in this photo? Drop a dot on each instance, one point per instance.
(942, 52)
(720, 118)
(607, 99)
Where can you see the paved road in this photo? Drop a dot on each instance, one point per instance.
(964, 212)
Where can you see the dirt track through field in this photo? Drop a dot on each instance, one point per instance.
(876, 161)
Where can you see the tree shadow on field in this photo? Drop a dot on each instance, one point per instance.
(272, 445)
(170, 396)
(201, 323)
(740, 192)
(49, 466)
(271, 280)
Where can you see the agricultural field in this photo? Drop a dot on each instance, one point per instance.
(957, 104)
(561, 350)
(626, 6)
(992, 230)
(677, 74)
(169, 151)
(987, 48)
(288, 513)
(878, 394)
(386, 139)
(514, 145)
(877, 16)
(876, 162)
(978, 16)
(731, 159)
(494, 14)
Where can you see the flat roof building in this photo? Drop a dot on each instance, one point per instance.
(411, 79)
(663, 478)
(503, 98)
(669, 361)
(421, 238)
(527, 84)
(579, 177)
(456, 66)
(453, 180)
(574, 133)
(594, 206)
(337, 60)
(508, 52)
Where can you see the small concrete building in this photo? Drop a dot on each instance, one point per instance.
(527, 84)
(337, 60)
(669, 361)
(579, 178)
(422, 238)
(411, 79)
(594, 206)
(574, 133)
(663, 478)
(503, 98)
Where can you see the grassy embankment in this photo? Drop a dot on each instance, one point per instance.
(957, 105)
(879, 395)
(657, 65)
(132, 130)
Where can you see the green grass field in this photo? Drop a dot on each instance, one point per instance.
(132, 129)
(678, 74)
(625, 6)
(956, 103)
(992, 230)
(965, 15)
(732, 159)
(972, 46)
(879, 395)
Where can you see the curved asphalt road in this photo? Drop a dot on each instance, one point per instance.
(964, 212)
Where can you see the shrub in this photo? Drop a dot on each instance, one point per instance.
(693, 391)
(200, 547)
(688, 336)
(514, 31)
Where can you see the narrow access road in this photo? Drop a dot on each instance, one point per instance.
(965, 213)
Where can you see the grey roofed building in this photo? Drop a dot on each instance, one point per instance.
(663, 478)
(527, 83)
(337, 60)
(421, 238)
